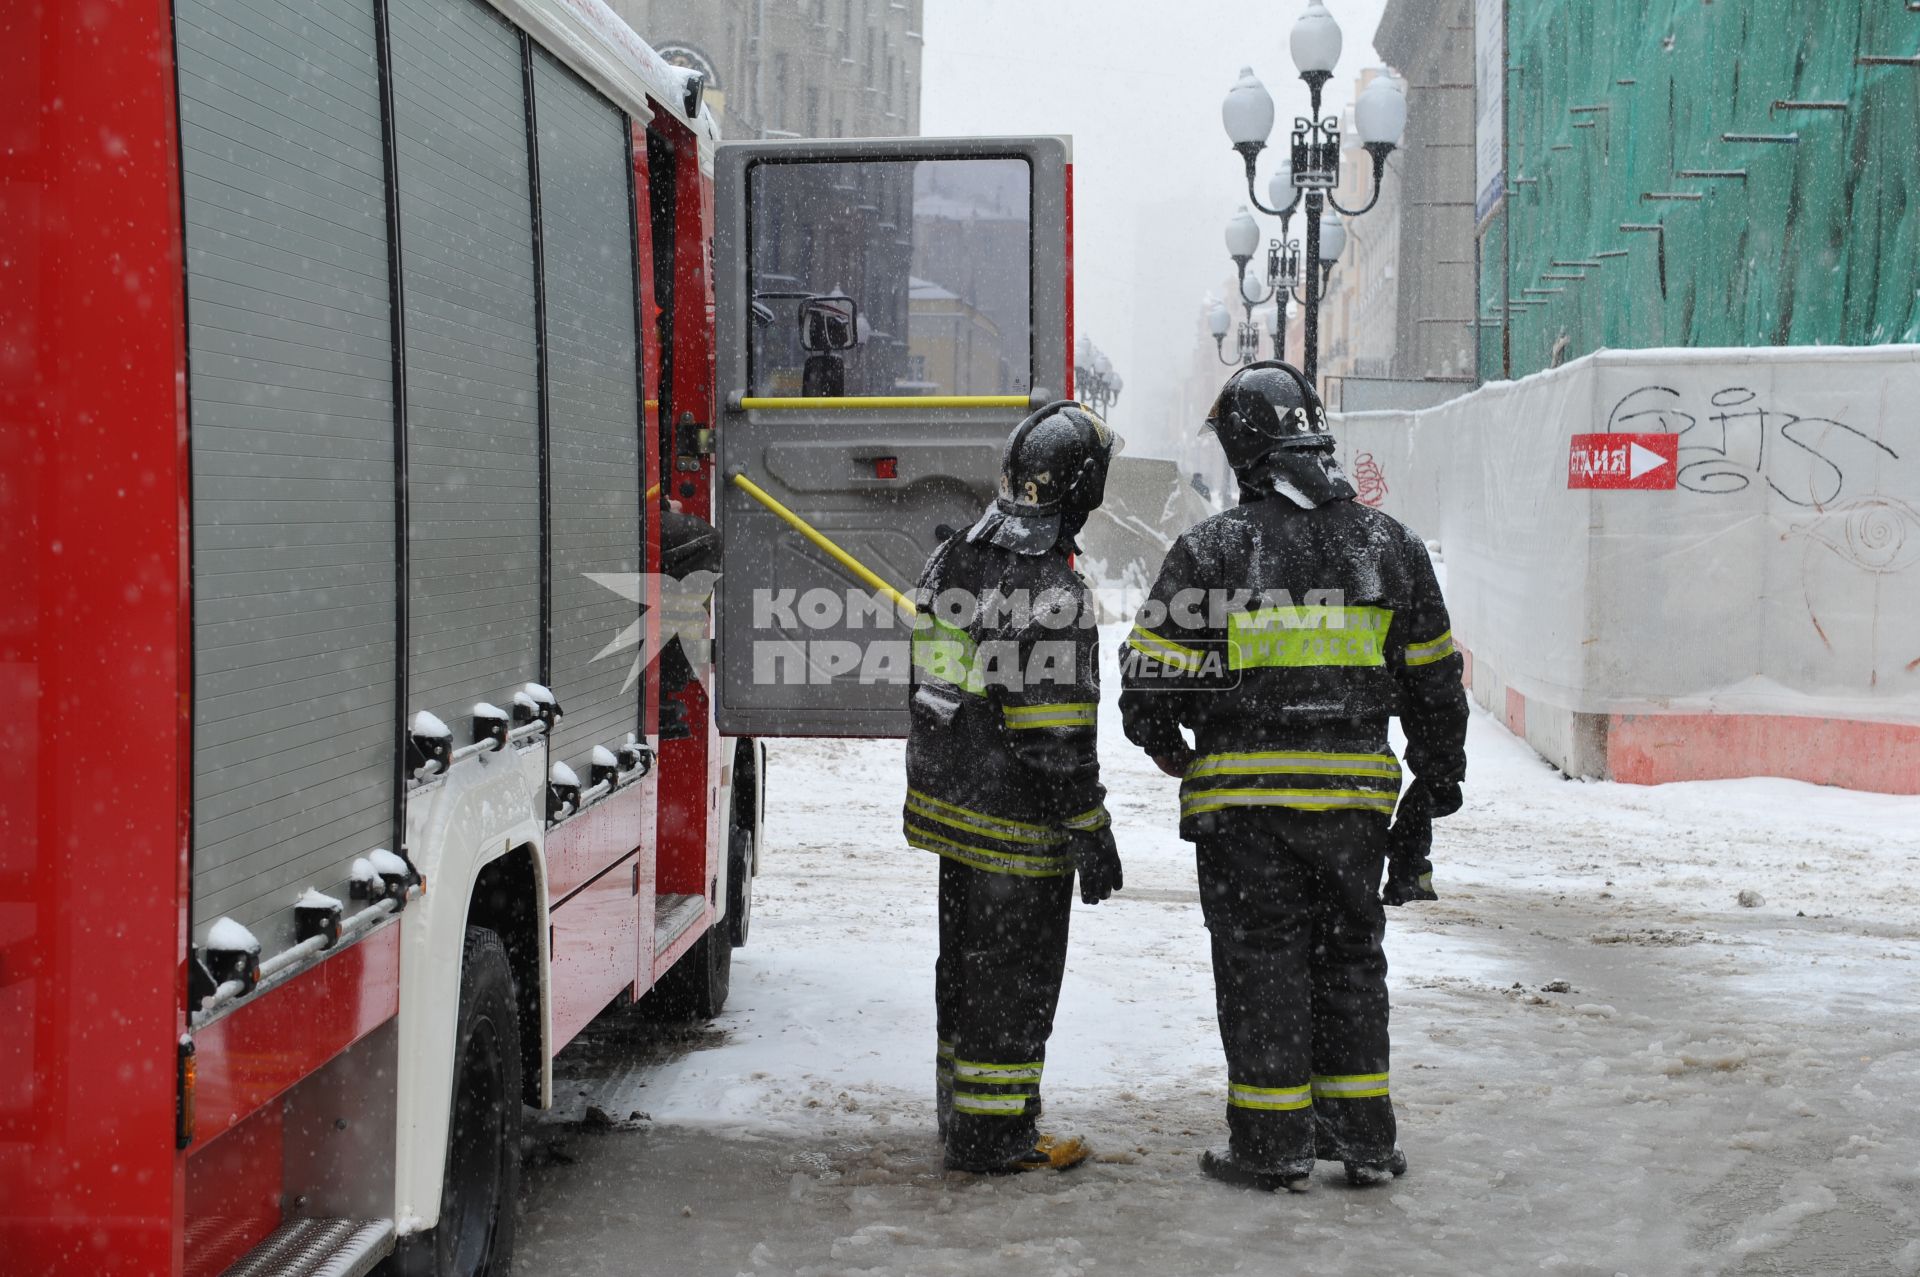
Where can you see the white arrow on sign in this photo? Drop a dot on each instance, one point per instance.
(1642, 461)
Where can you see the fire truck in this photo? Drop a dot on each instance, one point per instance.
(374, 373)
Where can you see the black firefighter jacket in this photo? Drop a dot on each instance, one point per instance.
(1006, 690)
(1284, 639)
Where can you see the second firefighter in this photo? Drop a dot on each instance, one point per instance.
(1003, 783)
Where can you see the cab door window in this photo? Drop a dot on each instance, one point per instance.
(904, 277)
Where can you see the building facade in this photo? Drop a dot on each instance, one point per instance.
(795, 68)
(1400, 304)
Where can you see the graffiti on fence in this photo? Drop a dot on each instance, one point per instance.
(1735, 438)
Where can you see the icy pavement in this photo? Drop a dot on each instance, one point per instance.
(1603, 1062)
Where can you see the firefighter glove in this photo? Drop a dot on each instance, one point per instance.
(1098, 861)
(1410, 845)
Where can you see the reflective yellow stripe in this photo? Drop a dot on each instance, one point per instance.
(1350, 1086)
(1303, 763)
(969, 827)
(1090, 820)
(1024, 717)
(974, 1070)
(850, 403)
(988, 860)
(1307, 636)
(1432, 650)
(1284, 1099)
(948, 653)
(1298, 799)
(1166, 651)
(983, 820)
(979, 1105)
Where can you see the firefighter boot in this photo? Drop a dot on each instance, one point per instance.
(1292, 1176)
(1362, 1174)
(1049, 1153)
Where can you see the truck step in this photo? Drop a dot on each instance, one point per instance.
(673, 914)
(318, 1248)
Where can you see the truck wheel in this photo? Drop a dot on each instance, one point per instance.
(481, 1193)
(740, 859)
(696, 987)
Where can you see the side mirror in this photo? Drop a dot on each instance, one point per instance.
(828, 324)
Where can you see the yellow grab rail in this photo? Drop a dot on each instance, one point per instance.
(820, 539)
(752, 403)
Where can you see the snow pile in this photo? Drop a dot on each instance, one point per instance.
(229, 936)
(426, 725)
(386, 864)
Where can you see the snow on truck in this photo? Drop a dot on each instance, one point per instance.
(365, 363)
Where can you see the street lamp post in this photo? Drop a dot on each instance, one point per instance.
(1312, 170)
(1098, 384)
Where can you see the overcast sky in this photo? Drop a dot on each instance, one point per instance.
(1138, 84)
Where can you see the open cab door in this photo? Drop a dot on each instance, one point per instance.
(887, 311)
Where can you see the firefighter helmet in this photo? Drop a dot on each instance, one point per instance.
(1053, 474)
(1266, 407)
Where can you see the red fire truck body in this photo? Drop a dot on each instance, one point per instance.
(363, 365)
(147, 1124)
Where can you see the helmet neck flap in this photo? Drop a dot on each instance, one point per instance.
(1053, 474)
(1309, 479)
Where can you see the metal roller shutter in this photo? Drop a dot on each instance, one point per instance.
(292, 433)
(593, 416)
(473, 448)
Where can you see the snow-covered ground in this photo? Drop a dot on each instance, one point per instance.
(1604, 1062)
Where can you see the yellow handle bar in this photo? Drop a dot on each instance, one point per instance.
(820, 539)
(752, 403)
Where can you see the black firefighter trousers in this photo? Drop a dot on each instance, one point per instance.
(1003, 952)
(1300, 980)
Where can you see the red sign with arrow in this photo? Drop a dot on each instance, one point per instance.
(1639, 461)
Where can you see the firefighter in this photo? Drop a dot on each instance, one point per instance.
(1003, 783)
(1283, 634)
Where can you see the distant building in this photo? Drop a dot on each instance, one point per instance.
(795, 68)
(1401, 302)
(951, 344)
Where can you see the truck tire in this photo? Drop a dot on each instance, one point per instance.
(740, 860)
(696, 987)
(481, 1192)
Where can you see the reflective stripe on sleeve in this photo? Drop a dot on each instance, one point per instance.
(1430, 651)
(1284, 1099)
(1350, 1086)
(1028, 717)
(1166, 651)
(1089, 821)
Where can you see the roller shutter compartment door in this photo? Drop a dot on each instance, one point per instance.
(473, 421)
(292, 440)
(593, 414)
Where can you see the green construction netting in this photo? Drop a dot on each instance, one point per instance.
(1610, 101)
